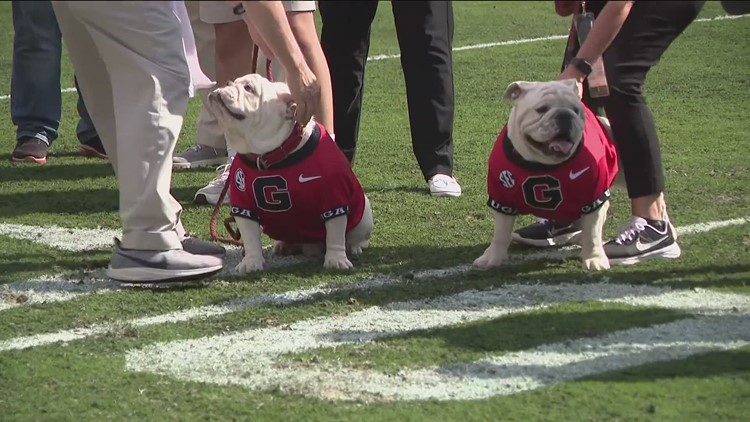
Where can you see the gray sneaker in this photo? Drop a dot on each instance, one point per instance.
(199, 156)
(199, 247)
(643, 239)
(142, 266)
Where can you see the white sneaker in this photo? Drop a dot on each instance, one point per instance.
(210, 193)
(198, 156)
(444, 185)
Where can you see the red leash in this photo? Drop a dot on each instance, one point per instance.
(234, 234)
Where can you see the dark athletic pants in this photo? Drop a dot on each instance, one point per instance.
(425, 36)
(645, 36)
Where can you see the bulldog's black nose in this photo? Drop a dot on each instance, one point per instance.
(564, 123)
(229, 83)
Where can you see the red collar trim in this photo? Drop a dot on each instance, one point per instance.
(266, 160)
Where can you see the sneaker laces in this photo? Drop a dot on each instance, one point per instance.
(630, 231)
(221, 177)
(442, 180)
(195, 148)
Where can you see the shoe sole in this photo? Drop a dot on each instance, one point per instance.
(672, 251)
(87, 151)
(143, 275)
(446, 194)
(560, 240)
(198, 164)
(30, 159)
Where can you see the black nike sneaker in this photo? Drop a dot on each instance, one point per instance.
(546, 233)
(642, 240)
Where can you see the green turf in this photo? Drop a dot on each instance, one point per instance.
(698, 95)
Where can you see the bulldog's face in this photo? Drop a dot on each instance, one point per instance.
(256, 115)
(547, 119)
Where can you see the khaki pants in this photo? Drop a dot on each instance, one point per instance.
(134, 78)
(208, 131)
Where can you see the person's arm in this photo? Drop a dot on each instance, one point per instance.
(605, 29)
(269, 21)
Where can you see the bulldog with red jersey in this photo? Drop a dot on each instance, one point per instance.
(554, 159)
(292, 182)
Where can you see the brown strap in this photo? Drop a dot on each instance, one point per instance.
(235, 234)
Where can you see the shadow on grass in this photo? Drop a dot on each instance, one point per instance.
(54, 172)
(734, 363)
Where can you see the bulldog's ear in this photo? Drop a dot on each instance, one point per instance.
(570, 83)
(291, 110)
(515, 90)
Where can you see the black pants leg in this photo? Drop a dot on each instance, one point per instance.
(645, 36)
(425, 37)
(345, 38)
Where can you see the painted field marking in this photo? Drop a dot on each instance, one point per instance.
(253, 358)
(285, 298)
(381, 57)
(63, 287)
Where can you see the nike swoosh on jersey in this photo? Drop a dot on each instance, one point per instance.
(303, 179)
(574, 176)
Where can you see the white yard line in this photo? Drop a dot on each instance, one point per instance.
(381, 57)
(253, 358)
(62, 238)
(63, 289)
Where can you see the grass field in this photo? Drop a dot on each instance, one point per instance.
(411, 333)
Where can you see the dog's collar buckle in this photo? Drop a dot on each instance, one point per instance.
(261, 164)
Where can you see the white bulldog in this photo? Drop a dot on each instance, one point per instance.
(554, 159)
(288, 171)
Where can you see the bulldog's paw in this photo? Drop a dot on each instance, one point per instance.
(596, 263)
(490, 258)
(337, 261)
(250, 264)
(357, 248)
(285, 249)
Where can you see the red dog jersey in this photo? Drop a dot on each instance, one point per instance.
(294, 198)
(577, 186)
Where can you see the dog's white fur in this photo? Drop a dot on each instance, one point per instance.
(257, 115)
(533, 131)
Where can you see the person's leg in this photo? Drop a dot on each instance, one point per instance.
(35, 79)
(90, 143)
(210, 147)
(110, 42)
(302, 22)
(425, 35)
(233, 58)
(648, 32)
(345, 40)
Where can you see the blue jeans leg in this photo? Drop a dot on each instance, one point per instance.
(35, 74)
(85, 128)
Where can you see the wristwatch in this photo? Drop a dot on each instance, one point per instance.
(581, 65)
(239, 9)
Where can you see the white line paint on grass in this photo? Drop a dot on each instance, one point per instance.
(62, 238)
(381, 57)
(711, 225)
(295, 296)
(46, 289)
(62, 287)
(253, 358)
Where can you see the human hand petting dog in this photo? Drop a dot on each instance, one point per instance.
(571, 72)
(268, 26)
